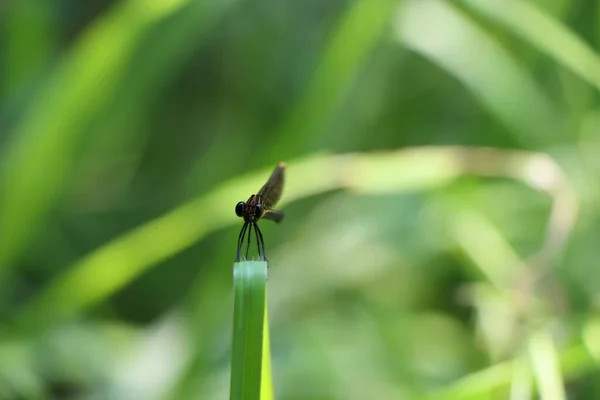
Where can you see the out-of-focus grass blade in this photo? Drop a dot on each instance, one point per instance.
(477, 237)
(249, 285)
(352, 40)
(359, 29)
(27, 25)
(37, 163)
(574, 361)
(111, 267)
(266, 382)
(529, 22)
(521, 383)
(121, 126)
(545, 365)
(475, 58)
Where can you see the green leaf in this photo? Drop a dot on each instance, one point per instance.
(545, 365)
(266, 382)
(544, 32)
(490, 72)
(249, 283)
(358, 31)
(573, 361)
(41, 158)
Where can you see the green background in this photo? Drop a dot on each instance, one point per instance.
(441, 229)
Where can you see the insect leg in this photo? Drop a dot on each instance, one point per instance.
(262, 242)
(255, 226)
(241, 240)
(248, 247)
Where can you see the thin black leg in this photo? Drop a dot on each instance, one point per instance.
(255, 226)
(241, 241)
(262, 243)
(248, 248)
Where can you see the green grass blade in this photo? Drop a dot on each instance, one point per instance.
(545, 365)
(451, 47)
(41, 158)
(356, 35)
(266, 382)
(573, 361)
(40, 40)
(532, 24)
(249, 285)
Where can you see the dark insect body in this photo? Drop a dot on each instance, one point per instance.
(260, 205)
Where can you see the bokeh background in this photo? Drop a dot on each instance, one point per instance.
(442, 197)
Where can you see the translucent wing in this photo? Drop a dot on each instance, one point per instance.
(274, 215)
(271, 191)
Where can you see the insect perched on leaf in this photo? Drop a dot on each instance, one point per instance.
(260, 205)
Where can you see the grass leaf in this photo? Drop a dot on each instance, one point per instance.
(525, 20)
(491, 73)
(249, 283)
(40, 159)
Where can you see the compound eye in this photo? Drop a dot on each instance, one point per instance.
(258, 211)
(239, 209)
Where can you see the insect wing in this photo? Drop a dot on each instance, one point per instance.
(273, 215)
(271, 191)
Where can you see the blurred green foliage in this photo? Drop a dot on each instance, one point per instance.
(441, 203)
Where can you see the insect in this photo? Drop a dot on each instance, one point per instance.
(260, 205)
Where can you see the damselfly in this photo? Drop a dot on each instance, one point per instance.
(260, 205)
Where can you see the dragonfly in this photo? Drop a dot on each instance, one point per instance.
(260, 206)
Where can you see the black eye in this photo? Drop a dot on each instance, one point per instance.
(258, 211)
(239, 208)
